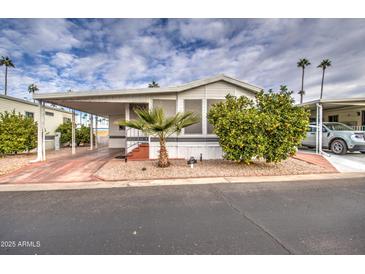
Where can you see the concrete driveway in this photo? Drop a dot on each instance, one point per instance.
(308, 217)
(71, 168)
(350, 162)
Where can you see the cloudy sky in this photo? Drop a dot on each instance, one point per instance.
(59, 54)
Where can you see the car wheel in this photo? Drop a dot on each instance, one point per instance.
(362, 152)
(339, 147)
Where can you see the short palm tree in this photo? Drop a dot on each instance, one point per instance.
(154, 123)
(324, 64)
(153, 85)
(32, 88)
(5, 61)
(302, 63)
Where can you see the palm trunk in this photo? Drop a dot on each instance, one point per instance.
(322, 84)
(6, 80)
(302, 90)
(163, 160)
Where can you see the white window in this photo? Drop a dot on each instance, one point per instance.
(169, 106)
(210, 103)
(196, 107)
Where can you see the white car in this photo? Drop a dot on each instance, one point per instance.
(337, 137)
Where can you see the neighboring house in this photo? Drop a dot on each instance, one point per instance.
(349, 111)
(53, 116)
(197, 96)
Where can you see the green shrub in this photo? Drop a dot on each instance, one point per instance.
(18, 133)
(271, 128)
(237, 124)
(285, 125)
(82, 135)
(66, 130)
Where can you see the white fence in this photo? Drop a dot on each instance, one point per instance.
(358, 128)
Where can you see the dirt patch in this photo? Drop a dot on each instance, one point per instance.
(119, 170)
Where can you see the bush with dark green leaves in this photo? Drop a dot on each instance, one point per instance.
(82, 135)
(271, 127)
(65, 129)
(18, 133)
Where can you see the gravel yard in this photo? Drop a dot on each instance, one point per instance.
(119, 170)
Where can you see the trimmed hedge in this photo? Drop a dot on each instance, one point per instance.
(272, 128)
(18, 133)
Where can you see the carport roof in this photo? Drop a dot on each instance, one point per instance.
(141, 91)
(335, 103)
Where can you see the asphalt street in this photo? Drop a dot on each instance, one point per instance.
(316, 217)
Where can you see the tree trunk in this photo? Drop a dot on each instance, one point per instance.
(163, 160)
(6, 79)
(322, 84)
(302, 91)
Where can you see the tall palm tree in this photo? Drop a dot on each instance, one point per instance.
(302, 63)
(5, 61)
(324, 64)
(32, 88)
(153, 122)
(153, 85)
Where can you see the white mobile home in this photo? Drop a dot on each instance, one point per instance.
(196, 96)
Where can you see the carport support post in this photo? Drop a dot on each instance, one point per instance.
(43, 133)
(91, 132)
(319, 124)
(73, 134)
(40, 133)
(96, 132)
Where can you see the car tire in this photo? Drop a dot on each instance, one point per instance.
(339, 147)
(362, 152)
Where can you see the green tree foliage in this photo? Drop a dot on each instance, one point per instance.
(270, 128)
(65, 129)
(284, 124)
(18, 133)
(82, 135)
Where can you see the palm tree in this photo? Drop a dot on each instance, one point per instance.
(32, 88)
(302, 63)
(153, 85)
(5, 61)
(324, 64)
(153, 122)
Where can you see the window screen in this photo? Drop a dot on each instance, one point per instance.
(196, 107)
(210, 103)
(132, 107)
(169, 106)
(29, 114)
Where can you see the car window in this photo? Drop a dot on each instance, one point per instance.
(338, 126)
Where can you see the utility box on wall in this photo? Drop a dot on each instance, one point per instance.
(57, 140)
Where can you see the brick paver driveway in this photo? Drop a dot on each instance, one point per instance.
(72, 168)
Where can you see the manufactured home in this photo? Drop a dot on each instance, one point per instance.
(198, 96)
(53, 116)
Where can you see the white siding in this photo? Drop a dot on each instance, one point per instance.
(114, 132)
(51, 122)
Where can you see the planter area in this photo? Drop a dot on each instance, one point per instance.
(119, 170)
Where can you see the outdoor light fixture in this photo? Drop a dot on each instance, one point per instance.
(192, 161)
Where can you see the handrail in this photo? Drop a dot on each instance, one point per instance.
(130, 145)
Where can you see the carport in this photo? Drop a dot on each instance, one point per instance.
(351, 106)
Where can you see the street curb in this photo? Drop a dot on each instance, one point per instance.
(173, 182)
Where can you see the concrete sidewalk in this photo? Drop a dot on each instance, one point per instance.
(169, 182)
